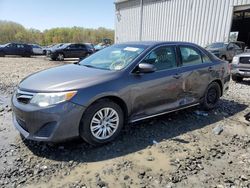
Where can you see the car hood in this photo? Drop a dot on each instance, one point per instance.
(65, 78)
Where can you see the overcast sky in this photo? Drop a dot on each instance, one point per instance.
(46, 14)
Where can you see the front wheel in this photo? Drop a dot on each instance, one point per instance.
(102, 122)
(212, 96)
(60, 57)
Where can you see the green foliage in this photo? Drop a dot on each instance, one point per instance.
(14, 32)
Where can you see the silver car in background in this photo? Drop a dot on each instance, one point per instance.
(241, 67)
(37, 50)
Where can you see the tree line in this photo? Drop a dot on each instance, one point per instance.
(14, 32)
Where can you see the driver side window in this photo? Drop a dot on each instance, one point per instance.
(162, 58)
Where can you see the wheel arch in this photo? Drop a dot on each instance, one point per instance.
(220, 84)
(117, 100)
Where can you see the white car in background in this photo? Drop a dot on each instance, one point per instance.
(241, 67)
(37, 50)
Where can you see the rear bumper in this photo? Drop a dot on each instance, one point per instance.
(53, 124)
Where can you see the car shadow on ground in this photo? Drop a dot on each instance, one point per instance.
(138, 136)
(245, 82)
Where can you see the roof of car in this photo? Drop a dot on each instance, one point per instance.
(153, 43)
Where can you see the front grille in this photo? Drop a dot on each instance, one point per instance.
(245, 60)
(24, 97)
(244, 70)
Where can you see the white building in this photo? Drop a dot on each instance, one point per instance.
(198, 21)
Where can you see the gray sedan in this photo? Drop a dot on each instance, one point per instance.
(120, 84)
(225, 51)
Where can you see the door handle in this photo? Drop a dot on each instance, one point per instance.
(177, 76)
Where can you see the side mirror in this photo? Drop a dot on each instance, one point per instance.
(146, 68)
(230, 48)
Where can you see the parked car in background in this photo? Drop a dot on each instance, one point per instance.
(101, 46)
(37, 50)
(70, 50)
(241, 67)
(20, 49)
(122, 83)
(52, 47)
(225, 51)
(90, 46)
(241, 44)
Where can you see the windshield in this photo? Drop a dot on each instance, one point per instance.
(64, 45)
(115, 57)
(58, 45)
(217, 45)
(4, 45)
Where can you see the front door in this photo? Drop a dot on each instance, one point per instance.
(11, 49)
(157, 92)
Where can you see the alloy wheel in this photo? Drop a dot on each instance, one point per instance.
(104, 123)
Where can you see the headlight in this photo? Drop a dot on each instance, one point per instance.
(235, 60)
(47, 99)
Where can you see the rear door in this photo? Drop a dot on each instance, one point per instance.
(81, 50)
(238, 49)
(196, 69)
(159, 91)
(20, 50)
(70, 51)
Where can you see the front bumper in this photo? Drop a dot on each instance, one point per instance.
(52, 124)
(241, 72)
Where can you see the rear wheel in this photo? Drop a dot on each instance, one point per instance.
(212, 96)
(2, 54)
(60, 57)
(102, 122)
(237, 78)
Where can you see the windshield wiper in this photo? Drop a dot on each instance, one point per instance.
(91, 66)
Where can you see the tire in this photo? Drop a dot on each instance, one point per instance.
(237, 78)
(212, 96)
(91, 119)
(60, 57)
(2, 54)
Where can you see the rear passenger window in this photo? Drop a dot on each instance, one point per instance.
(206, 59)
(190, 56)
(162, 58)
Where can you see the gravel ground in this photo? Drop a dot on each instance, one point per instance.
(189, 148)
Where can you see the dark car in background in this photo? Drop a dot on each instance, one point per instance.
(241, 67)
(70, 50)
(225, 51)
(122, 83)
(19, 49)
(51, 48)
(90, 46)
